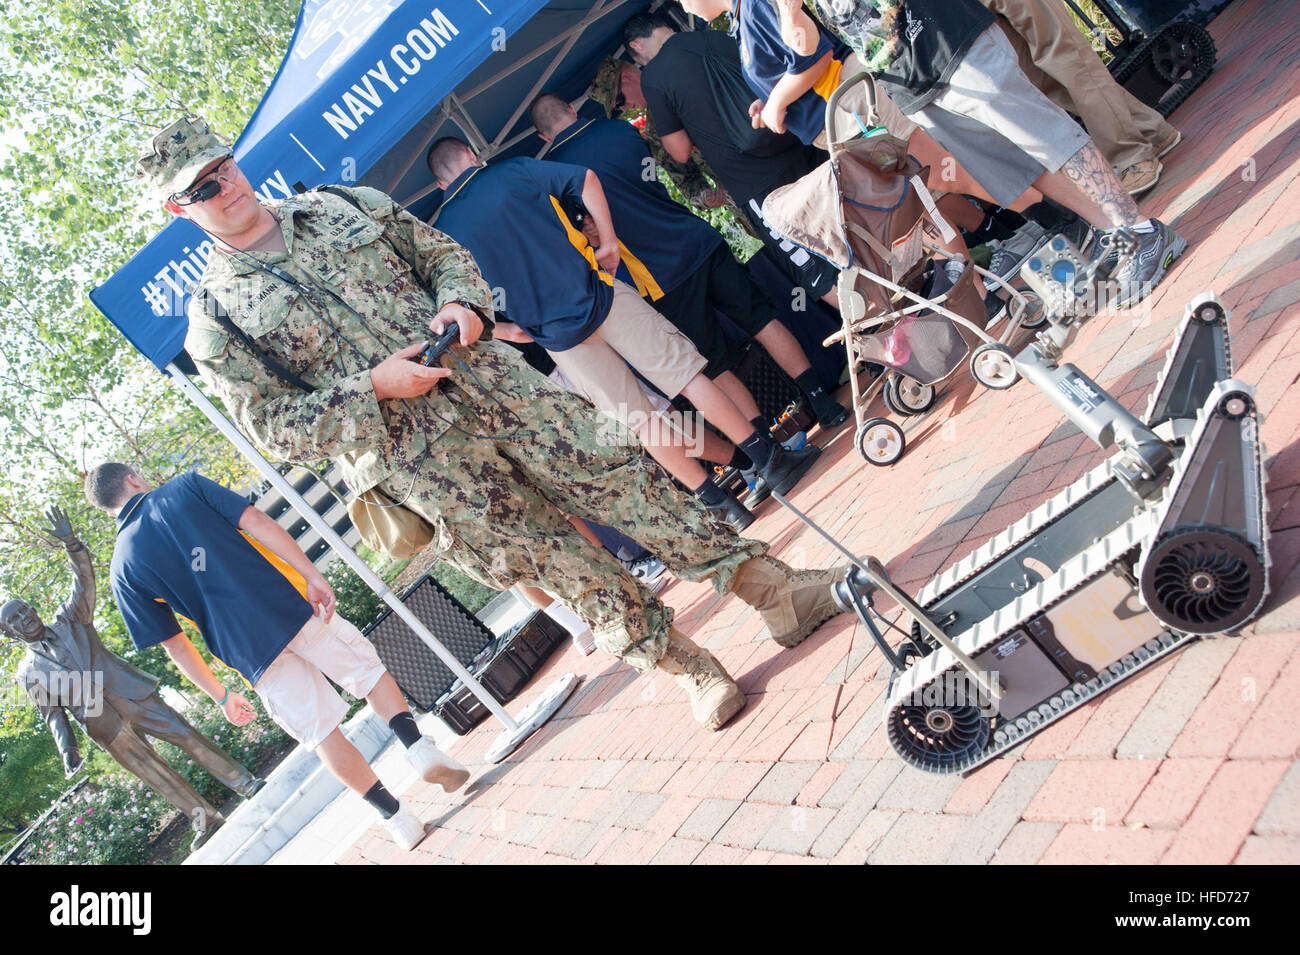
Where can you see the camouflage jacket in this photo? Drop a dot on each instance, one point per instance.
(332, 346)
(871, 29)
(692, 177)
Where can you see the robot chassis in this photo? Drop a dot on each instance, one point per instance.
(1164, 542)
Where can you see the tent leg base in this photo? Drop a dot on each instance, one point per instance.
(533, 717)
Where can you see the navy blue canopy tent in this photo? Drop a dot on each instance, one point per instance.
(363, 89)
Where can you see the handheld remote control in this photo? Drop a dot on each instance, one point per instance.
(439, 345)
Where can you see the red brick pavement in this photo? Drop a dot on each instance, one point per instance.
(1190, 761)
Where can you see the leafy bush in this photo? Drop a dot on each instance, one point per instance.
(469, 592)
(356, 602)
(115, 817)
(359, 604)
(111, 821)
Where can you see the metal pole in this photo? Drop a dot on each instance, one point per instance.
(336, 543)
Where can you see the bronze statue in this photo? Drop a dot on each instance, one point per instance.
(67, 669)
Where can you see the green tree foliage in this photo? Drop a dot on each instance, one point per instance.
(82, 83)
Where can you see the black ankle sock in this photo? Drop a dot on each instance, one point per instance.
(1007, 218)
(1050, 215)
(710, 494)
(992, 227)
(758, 447)
(403, 724)
(759, 424)
(739, 460)
(383, 800)
(808, 383)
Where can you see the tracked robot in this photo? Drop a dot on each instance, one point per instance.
(1164, 542)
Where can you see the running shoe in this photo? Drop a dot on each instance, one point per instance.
(1156, 251)
(649, 570)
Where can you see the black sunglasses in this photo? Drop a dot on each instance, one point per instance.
(204, 191)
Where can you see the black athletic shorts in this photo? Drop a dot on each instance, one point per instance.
(723, 284)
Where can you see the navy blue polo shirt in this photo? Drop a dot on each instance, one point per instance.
(668, 240)
(179, 550)
(509, 216)
(765, 58)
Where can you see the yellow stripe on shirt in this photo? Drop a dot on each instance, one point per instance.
(645, 282)
(579, 242)
(830, 79)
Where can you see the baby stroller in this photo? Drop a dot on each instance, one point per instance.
(906, 304)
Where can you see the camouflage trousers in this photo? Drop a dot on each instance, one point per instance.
(497, 487)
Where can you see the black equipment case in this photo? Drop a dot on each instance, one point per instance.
(504, 668)
(420, 675)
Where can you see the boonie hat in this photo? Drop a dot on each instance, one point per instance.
(604, 88)
(173, 157)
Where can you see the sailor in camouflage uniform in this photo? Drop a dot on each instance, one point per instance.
(493, 455)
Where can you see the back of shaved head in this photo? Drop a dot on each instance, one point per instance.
(550, 113)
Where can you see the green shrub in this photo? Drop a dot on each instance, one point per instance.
(252, 745)
(469, 592)
(356, 602)
(110, 821)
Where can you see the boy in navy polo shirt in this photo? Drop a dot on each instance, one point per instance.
(561, 293)
(193, 548)
(692, 270)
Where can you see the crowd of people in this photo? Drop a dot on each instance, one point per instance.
(585, 299)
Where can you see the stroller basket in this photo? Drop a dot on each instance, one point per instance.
(868, 211)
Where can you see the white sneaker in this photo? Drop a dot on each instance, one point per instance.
(435, 766)
(407, 831)
(649, 570)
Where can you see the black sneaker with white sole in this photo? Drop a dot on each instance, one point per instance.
(1157, 249)
(1012, 253)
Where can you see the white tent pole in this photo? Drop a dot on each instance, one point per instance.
(336, 543)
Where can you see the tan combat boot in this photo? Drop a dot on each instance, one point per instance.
(793, 603)
(715, 698)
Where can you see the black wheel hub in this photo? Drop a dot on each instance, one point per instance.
(942, 737)
(1203, 580)
(1181, 51)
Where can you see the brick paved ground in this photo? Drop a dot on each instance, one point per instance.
(1191, 761)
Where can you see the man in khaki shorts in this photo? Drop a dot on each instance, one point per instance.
(193, 548)
(555, 289)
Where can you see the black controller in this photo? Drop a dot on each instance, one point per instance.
(439, 345)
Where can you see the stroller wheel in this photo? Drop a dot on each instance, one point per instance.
(907, 396)
(880, 442)
(993, 365)
(1035, 316)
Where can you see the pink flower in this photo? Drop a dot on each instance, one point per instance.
(78, 820)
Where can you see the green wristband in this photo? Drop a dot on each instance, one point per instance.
(222, 701)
